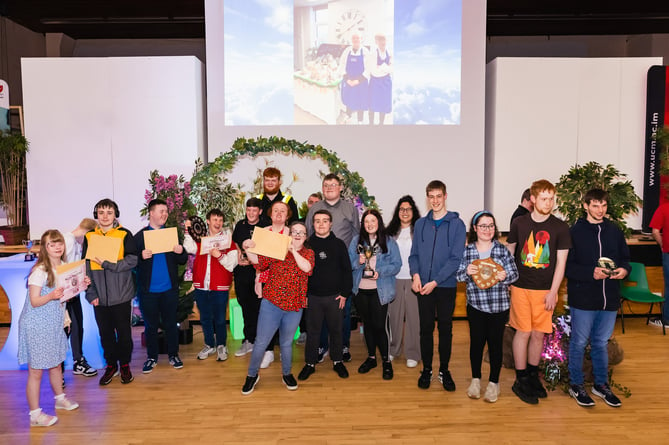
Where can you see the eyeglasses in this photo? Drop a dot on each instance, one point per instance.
(406, 210)
(330, 186)
(300, 233)
(486, 226)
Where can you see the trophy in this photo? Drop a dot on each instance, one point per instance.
(607, 264)
(486, 277)
(368, 252)
(29, 255)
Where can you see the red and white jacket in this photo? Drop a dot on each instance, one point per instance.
(211, 273)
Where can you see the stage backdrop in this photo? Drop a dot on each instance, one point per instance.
(98, 126)
(544, 115)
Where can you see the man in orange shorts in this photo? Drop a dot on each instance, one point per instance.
(541, 259)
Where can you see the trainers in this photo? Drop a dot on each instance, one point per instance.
(391, 357)
(412, 363)
(341, 370)
(110, 372)
(367, 365)
(658, 322)
(604, 391)
(579, 393)
(205, 352)
(250, 384)
(66, 404)
(176, 362)
(387, 370)
(491, 392)
(302, 339)
(43, 419)
(81, 367)
(425, 379)
(322, 353)
(537, 387)
(474, 390)
(126, 375)
(523, 389)
(306, 372)
(267, 359)
(290, 382)
(447, 381)
(149, 364)
(346, 354)
(244, 349)
(221, 353)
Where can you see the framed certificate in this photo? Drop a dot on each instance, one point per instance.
(70, 277)
(161, 240)
(269, 244)
(221, 242)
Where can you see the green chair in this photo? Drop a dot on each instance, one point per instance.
(635, 288)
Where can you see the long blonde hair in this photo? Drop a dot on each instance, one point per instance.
(50, 236)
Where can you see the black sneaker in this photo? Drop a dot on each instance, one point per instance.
(346, 354)
(176, 362)
(604, 391)
(126, 375)
(306, 372)
(149, 364)
(537, 387)
(110, 372)
(425, 379)
(322, 353)
(290, 382)
(367, 365)
(447, 381)
(522, 388)
(250, 384)
(582, 398)
(341, 370)
(81, 367)
(387, 370)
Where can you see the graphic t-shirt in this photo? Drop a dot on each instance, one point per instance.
(537, 244)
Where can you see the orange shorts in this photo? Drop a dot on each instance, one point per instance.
(528, 311)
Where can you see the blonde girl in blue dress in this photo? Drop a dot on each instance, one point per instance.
(42, 340)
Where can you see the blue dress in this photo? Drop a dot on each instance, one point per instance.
(42, 340)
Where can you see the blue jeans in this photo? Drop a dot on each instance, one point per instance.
(157, 307)
(270, 319)
(596, 326)
(212, 305)
(665, 270)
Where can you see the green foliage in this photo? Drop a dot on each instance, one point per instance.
(211, 190)
(13, 149)
(303, 209)
(573, 185)
(662, 138)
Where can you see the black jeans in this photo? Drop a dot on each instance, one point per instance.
(114, 325)
(76, 331)
(375, 317)
(485, 328)
(248, 300)
(319, 309)
(442, 303)
(157, 307)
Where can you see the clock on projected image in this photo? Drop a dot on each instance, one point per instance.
(351, 22)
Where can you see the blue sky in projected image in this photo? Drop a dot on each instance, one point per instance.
(258, 62)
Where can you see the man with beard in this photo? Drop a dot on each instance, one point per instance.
(541, 260)
(272, 193)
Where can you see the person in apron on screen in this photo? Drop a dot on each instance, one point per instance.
(355, 84)
(380, 82)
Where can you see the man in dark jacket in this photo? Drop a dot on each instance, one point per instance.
(158, 288)
(599, 257)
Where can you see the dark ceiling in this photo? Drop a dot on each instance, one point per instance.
(135, 19)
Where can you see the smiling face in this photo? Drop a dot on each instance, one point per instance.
(371, 224)
(253, 215)
(215, 223)
(158, 215)
(437, 200)
(298, 233)
(279, 213)
(106, 217)
(405, 214)
(55, 249)
(322, 225)
(595, 211)
(331, 190)
(485, 228)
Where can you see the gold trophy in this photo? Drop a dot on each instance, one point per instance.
(29, 255)
(368, 252)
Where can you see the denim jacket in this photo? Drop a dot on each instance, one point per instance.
(387, 265)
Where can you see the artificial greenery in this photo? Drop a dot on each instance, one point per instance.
(210, 189)
(13, 149)
(573, 185)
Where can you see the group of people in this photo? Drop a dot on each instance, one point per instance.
(401, 278)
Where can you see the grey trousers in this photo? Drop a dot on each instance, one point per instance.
(403, 315)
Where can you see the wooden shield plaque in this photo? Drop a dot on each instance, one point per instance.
(487, 274)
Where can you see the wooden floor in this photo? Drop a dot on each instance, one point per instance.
(202, 403)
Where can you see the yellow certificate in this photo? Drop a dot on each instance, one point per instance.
(269, 244)
(161, 240)
(106, 248)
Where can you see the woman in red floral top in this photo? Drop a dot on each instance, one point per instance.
(284, 298)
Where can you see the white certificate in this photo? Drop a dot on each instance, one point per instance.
(221, 242)
(71, 278)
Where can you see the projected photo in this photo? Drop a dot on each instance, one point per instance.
(343, 62)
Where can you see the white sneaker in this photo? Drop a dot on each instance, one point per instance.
(221, 353)
(474, 390)
(244, 349)
(205, 352)
(267, 359)
(43, 419)
(391, 357)
(412, 363)
(491, 392)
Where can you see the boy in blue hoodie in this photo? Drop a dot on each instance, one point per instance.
(438, 244)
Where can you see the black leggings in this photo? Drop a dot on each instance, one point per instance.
(375, 317)
(486, 327)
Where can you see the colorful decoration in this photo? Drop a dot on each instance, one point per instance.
(175, 191)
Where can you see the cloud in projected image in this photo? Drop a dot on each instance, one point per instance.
(258, 66)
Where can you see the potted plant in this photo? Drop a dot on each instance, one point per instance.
(579, 179)
(13, 149)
